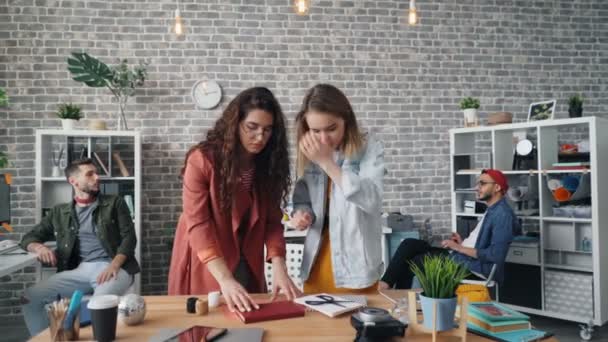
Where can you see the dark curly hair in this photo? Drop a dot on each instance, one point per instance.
(223, 147)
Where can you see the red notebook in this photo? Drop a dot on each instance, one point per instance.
(269, 312)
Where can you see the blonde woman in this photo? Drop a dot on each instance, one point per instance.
(338, 196)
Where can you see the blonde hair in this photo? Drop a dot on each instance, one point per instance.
(328, 99)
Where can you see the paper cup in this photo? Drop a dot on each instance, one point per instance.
(104, 310)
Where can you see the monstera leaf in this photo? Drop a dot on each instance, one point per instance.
(89, 70)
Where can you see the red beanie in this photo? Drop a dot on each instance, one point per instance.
(498, 177)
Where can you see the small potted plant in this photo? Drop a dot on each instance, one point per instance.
(575, 106)
(69, 114)
(439, 278)
(122, 80)
(470, 105)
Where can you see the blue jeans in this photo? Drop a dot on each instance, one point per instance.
(64, 283)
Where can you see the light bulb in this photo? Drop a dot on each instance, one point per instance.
(302, 6)
(178, 29)
(412, 15)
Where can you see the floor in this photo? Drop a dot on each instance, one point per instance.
(563, 330)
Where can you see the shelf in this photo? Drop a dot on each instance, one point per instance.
(566, 219)
(470, 172)
(101, 179)
(568, 251)
(466, 190)
(469, 215)
(535, 218)
(519, 172)
(569, 268)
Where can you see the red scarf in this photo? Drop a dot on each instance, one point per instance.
(89, 200)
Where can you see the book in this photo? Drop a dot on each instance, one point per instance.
(7, 246)
(269, 312)
(493, 311)
(329, 305)
(524, 335)
(121, 166)
(101, 164)
(499, 326)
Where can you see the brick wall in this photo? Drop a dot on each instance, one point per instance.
(404, 82)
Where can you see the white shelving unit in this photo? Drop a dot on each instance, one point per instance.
(101, 146)
(570, 279)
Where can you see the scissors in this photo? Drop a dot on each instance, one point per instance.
(326, 299)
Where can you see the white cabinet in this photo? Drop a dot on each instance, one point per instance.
(117, 155)
(560, 197)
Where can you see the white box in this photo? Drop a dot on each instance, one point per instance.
(560, 236)
(524, 253)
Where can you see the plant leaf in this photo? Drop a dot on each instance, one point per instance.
(89, 70)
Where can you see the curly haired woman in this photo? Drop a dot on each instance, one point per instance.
(233, 185)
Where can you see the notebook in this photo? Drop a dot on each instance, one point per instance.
(268, 312)
(232, 335)
(329, 305)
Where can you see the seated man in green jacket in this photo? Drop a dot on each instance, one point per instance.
(95, 246)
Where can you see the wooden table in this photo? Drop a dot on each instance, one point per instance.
(170, 312)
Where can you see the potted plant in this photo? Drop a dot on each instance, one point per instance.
(121, 79)
(69, 114)
(575, 103)
(470, 105)
(439, 278)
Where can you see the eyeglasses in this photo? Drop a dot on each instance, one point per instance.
(253, 130)
(480, 183)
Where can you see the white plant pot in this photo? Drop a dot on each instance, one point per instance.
(68, 124)
(470, 117)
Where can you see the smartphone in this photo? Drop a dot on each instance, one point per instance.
(198, 333)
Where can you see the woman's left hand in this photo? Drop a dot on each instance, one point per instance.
(282, 282)
(318, 153)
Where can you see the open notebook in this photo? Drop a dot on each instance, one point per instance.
(330, 305)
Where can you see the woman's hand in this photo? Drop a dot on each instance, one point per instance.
(236, 296)
(315, 151)
(281, 280)
(300, 220)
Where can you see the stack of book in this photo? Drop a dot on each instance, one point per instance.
(498, 322)
(571, 166)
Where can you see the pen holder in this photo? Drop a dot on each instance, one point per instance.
(57, 316)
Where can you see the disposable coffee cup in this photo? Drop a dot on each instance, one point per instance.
(104, 310)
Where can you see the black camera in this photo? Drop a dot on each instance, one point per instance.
(375, 325)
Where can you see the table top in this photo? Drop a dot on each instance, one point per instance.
(15, 261)
(164, 312)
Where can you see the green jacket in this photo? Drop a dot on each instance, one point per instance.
(115, 231)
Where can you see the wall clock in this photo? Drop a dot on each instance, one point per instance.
(207, 94)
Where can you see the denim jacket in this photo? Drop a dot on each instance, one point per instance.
(355, 206)
(497, 231)
(114, 229)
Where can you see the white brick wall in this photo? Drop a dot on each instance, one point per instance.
(404, 81)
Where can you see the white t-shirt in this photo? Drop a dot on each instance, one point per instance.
(472, 239)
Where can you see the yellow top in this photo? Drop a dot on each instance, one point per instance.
(321, 278)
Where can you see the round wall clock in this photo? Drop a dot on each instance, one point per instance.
(207, 94)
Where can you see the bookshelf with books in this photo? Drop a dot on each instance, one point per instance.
(117, 155)
(555, 171)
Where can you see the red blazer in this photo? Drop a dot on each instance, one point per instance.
(204, 232)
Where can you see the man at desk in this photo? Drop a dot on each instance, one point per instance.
(487, 245)
(95, 246)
